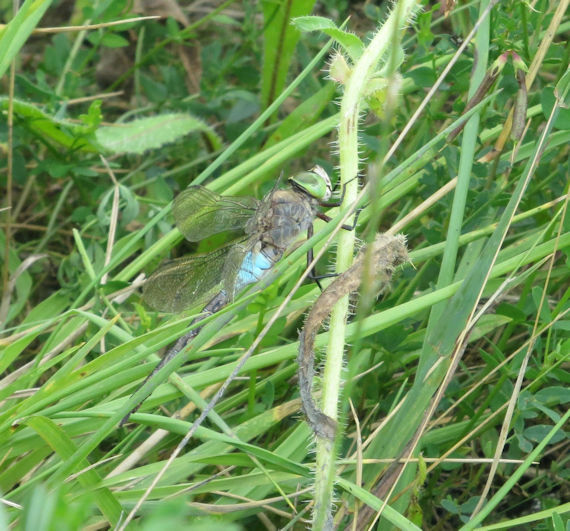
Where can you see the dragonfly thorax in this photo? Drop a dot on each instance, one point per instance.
(286, 214)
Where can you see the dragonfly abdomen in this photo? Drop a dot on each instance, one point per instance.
(253, 267)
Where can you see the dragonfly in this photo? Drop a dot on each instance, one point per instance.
(267, 228)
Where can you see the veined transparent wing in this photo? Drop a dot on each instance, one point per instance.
(191, 280)
(199, 212)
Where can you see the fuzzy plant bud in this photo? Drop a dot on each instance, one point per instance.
(339, 70)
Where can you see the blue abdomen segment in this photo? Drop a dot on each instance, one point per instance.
(253, 267)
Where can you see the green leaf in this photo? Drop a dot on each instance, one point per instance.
(349, 41)
(555, 394)
(151, 133)
(313, 23)
(422, 76)
(557, 522)
(51, 129)
(280, 40)
(112, 40)
(538, 433)
(547, 100)
(93, 117)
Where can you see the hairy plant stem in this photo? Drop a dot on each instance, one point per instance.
(348, 150)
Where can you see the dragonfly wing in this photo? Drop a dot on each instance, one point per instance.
(199, 212)
(186, 281)
(232, 269)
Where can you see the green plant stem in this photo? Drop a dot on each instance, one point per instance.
(348, 151)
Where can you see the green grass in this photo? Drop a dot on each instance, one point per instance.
(461, 366)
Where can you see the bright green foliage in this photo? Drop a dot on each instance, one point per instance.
(240, 98)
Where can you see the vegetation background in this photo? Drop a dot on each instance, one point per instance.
(105, 121)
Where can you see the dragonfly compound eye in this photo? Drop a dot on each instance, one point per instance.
(314, 182)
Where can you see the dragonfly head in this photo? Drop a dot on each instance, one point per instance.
(315, 183)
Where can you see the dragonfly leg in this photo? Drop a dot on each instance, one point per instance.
(337, 202)
(310, 231)
(313, 272)
(344, 226)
